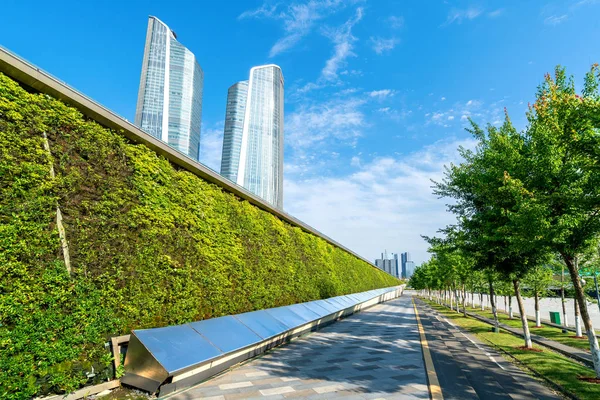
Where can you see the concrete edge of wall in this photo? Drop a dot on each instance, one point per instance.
(28, 74)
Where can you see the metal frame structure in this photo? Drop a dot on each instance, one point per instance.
(176, 357)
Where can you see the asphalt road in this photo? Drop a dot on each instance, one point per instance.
(468, 369)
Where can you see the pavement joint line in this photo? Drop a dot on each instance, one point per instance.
(435, 390)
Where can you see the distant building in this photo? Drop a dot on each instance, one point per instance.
(169, 105)
(256, 152)
(407, 263)
(389, 265)
(410, 269)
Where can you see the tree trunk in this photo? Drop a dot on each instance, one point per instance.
(472, 299)
(493, 304)
(481, 297)
(538, 319)
(505, 310)
(526, 333)
(510, 310)
(587, 321)
(562, 297)
(577, 320)
(464, 301)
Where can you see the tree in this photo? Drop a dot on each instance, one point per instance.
(486, 196)
(559, 205)
(538, 279)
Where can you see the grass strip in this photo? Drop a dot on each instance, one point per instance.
(552, 366)
(546, 331)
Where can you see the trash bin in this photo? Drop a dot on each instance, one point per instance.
(555, 317)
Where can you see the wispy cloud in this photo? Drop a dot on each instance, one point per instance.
(396, 22)
(339, 119)
(381, 94)
(458, 16)
(381, 45)
(554, 20)
(382, 192)
(343, 40)
(492, 113)
(496, 13)
(298, 19)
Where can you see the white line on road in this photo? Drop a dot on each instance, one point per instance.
(476, 345)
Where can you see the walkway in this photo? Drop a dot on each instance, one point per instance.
(468, 369)
(375, 354)
(372, 354)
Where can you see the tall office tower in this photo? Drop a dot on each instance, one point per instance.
(234, 125)
(405, 259)
(260, 165)
(169, 105)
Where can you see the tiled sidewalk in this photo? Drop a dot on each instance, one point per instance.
(375, 354)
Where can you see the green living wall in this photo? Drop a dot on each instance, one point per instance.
(150, 245)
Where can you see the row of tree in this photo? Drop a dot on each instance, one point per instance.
(522, 199)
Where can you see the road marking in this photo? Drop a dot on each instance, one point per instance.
(476, 345)
(434, 384)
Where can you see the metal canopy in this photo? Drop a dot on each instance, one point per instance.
(182, 355)
(226, 333)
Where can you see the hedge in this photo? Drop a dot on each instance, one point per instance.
(150, 245)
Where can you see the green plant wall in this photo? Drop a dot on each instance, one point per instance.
(150, 245)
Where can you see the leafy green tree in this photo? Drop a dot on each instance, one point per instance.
(485, 197)
(559, 202)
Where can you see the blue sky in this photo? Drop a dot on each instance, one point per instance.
(377, 92)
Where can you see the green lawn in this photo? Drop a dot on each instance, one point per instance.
(546, 331)
(552, 366)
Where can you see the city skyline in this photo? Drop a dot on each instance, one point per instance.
(169, 105)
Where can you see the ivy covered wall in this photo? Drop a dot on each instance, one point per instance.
(150, 245)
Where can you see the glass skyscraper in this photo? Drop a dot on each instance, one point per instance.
(254, 157)
(169, 105)
(234, 126)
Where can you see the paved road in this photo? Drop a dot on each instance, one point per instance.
(370, 355)
(468, 369)
(375, 354)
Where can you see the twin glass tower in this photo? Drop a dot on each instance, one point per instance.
(169, 108)
(253, 139)
(169, 103)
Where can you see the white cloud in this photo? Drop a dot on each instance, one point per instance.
(496, 13)
(443, 99)
(298, 19)
(450, 117)
(396, 22)
(381, 45)
(555, 19)
(211, 147)
(340, 119)
(343, 44)
(458, 16)
(352, 72)
(359, 209)
(381, 94)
